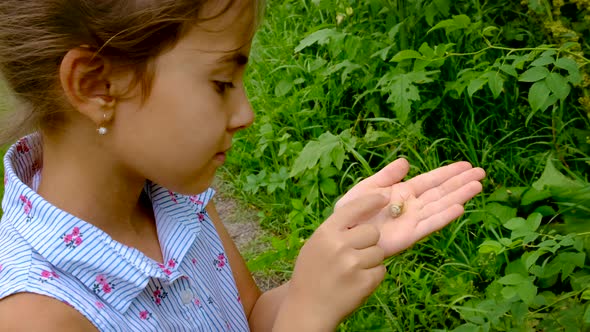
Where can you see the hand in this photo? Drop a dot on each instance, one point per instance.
(430, 201)
(337, 268)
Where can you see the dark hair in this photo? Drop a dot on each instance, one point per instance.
(35, 35)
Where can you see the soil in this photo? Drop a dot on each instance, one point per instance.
(242, 223)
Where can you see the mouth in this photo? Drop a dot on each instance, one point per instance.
(222, 156)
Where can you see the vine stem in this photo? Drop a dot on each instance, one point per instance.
(514, 50)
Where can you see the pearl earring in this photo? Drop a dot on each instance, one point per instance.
(102, 130)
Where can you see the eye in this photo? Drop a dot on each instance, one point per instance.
(222, 87)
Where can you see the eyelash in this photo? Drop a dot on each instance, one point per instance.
(222, 87)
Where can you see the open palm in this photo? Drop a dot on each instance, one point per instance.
(430, 201)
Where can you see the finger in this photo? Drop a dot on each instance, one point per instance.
(434, 178)
(362, 236)
(389, 175)
(454, 183)
(371, 278)
(438, 221)
(459, 196)
(357, 211)
(370, 257)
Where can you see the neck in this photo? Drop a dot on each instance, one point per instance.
(83, 179)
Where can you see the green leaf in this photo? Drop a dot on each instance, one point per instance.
(558, 85)
(495, 82)
(526, 291)
(321, 37)
(283, 87)
(407, 54)
(313, 151)
(522, 226)
(489, 246)
(328, 186)
(543, 61)
(457, 22)
(512, 279)
(530, 258)
(426, 50)
(572, 68)
(500, 211)
(475, 85)
(509, 292)
(507, 194)
(534, 74)
(587, 314)
(533, 221)
(515, 223)
(538, 95)
(402, 91)
(467, 327)
(508, 70)
(533, 195)
(552, 178)
(382, 53)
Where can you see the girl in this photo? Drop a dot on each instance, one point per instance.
(108, 224)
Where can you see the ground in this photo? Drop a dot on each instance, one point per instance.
(242, 223)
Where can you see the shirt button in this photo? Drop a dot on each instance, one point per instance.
(186, 296)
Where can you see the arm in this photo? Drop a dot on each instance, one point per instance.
(336, 270)
(25, 312)
(431, 201)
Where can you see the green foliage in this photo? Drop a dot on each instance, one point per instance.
(343, 87)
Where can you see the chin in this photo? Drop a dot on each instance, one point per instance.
(195, 188)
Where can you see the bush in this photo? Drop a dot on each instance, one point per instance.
(342, 88)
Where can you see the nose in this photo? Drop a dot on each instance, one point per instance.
(243, 115)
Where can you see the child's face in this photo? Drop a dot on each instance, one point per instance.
(179, 135)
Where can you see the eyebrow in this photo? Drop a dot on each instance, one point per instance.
(238, 58)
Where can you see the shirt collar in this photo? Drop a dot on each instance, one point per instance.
(84, 251)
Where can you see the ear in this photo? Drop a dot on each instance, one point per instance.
(84, 77)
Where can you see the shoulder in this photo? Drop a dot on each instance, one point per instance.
(15, 260)
(49, 314)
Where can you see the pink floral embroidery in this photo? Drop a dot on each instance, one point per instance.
(220, 261)
(102, 285)
(48, 276)
(201, 216)
(74, 239)
(198, 303)
(106, 288)
(27, 204)
(195, 261)
(145, 315)
(195, 199)
(22, 146)
(99, 305)
(173, 196)
(171, 265)
(158, 295)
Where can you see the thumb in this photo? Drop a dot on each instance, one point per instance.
(357, 210)
(390, 174)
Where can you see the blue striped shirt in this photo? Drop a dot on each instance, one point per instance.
(47, 251)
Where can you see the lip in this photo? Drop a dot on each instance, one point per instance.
(222, 156)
